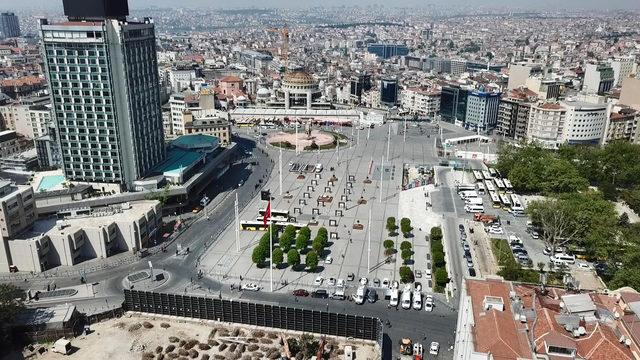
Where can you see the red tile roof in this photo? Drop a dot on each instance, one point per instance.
(230, 79)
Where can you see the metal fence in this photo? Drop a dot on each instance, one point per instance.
(243, 312)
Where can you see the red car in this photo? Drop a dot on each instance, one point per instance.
(300, 292)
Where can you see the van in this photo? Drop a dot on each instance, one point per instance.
(563, 258)
(359, 297)
(474, 201)
(406, 298)
(473, 208)
(464, 195)
(393, 301)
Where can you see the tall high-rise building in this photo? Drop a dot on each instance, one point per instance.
(389, 91)
(453, 103)
(386, 51)
(598, 79)
(103, 75)
(9, 25)
(359, 84)
(482, 110)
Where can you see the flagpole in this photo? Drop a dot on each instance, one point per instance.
(269, 229)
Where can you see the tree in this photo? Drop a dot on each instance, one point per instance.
(302, 241)
(405, 226)
(623, 220)
(259, 255)
(11, 303)
(436, 233)
(406, 275)
(388, 244)
(293, 257)
(406, 254)
(278, 256)
(555, 219)
(391, 225)
(317, 245)
(311, 260)
(405, 245)
(442, 278)
(286, 239)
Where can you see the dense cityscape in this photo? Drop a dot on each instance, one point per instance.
(442, 181)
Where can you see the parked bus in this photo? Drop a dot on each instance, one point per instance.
(478, 175)
(474, 208)
(495, 199)
(465, 187)
(274, 218)
(504, 199)
(275, 213)
(487, 175)
(499, 184)
(259, 225)
(489, 185)
(481, 189)
(464, 195)
(516, 205)
(473, 201)
(507, 185)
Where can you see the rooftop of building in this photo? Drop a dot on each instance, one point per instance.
(40, 316)
(583, 105)
(230, 79)
(583, 322)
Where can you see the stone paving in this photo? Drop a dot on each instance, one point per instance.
(350, 251)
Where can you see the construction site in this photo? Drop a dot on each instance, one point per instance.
(137, 336)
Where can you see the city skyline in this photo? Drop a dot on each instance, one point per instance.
(543, 5)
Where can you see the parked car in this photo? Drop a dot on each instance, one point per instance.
(466, 247)
(469, 262)
(495, 230)
(394, 297)
(372, 296)
(406, 298)
(472, 272)
(461, 227)
(376, 282)
(417, 300)
(332, 281)
(385, 283)
(351, 277)
(318, 280)
(364, 281)
(320, 294)
(534, 234)
(340, 283)
(300, 292)
(428, 303)
(250, 287)
(328, 260)
(418, 273)
(434, 348)
(427, 274)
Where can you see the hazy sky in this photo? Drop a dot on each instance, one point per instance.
(530, 4)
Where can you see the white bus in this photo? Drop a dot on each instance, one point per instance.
(516, 205)
(464, 195)
(504, 199)
(474, 208)
(478, 175)
(465, 187)
(499, 184)
(487, 175)
(558, 259)
(489, 185)
(507, 185)
(495, 200)
(481, 188)
(473, 201)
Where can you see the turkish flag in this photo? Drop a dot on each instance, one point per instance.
(267, 214)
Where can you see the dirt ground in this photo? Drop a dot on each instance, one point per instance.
(136, 336)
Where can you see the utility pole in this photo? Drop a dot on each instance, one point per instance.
(235, 208)
(388, 141)
(297, 137)
(280, 170)
(404, 133)
(381, 177)
(368, 132)
(369, 247)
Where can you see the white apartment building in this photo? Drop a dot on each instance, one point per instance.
(568, 122)
(181, 79)
(420, 101)
(622, 68)
(178, 104)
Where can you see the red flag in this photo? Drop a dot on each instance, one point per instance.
(267, 213)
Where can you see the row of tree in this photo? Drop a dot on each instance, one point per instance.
(405, 226)
(438, 260)
(284, 244)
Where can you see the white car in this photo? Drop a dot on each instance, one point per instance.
(394, 297)
(417, 349)
(250, 287)
(435, 347)
(318, 280)
(364, 281)
(583, 265)
(340, 283)
(328, 260)
(332, 281)
(428, 303)
(495, 230)
(417, 300)
(427, 274)
(385, 283)
(395, 284)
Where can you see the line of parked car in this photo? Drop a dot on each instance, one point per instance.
(467, 250)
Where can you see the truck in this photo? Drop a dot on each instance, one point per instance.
(487, 219)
